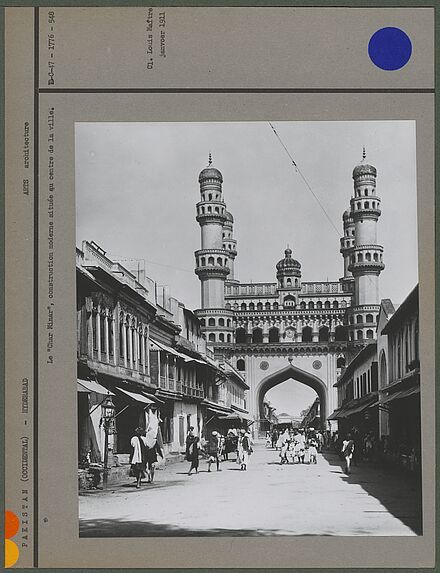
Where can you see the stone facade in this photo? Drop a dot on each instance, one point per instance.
(289, 328)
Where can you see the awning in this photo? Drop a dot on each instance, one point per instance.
(92, 386)
(153, 397)
(217, 410)
(335, 415)
(238, 416)
(402, 394)
(80, 388)
(354, 409)
(135, 396)
(170, 350)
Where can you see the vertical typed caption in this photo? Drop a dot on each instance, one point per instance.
(50, 202)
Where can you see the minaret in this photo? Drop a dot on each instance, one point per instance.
(213, 259)
(366, 255)
(230, 244)
(347, 244)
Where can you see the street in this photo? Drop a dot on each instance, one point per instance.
(267, 499)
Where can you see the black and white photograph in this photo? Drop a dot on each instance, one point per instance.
(247, 329)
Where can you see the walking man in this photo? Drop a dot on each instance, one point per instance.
(347, 452)
(214, 448)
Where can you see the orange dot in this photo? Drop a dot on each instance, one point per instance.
(12, 524)
(11, 553)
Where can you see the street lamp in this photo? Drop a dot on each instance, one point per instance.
(108, 410)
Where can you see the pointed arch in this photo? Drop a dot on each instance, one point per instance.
(299, 375)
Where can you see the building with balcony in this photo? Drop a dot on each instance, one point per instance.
(146, 350)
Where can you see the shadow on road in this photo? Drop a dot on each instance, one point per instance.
(121, 528)
(399, 493)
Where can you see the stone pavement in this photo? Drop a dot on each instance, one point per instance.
(267, 499)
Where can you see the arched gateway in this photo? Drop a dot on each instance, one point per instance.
(295, 373)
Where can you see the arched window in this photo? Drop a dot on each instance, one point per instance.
(366, 205)
(251, 306)
(240, 335)
(275, 306)
(366, 192)
(327, 304)
(241, 366)
(260, 306)
(274, 334)
(235, 305)
(219, 261)
(360, 335)
(209, 210)
(307, 334)
(319, 304)
(203, 261)
(267, 306)
(335, 304)
(211, 261)
(221, 337)
(302, 305)
(369, 318)
(340, 362)
(243, 306)
(340, 333)
(228, 306)
(210, 197)
(289, 300)
(221, 321)
(323, 334)
(217, 210)
(359, 205)
(257, 335)
(375, 257)
(289, 282)
(311, 305)
(211, 337)
(368, 256)
(370, 333)
(360, 257)
(296, 282)
(228, 322)
(202, 322)
(359, 319)
(229, 338)
(211, 322)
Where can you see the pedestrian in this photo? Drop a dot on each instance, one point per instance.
(300, 444)
(151, 460)
(214, 449)
(274, 438)
(284, 443)
(347, 451)
(192, 454)
(244, 449)
(138, 458)
(313, 451)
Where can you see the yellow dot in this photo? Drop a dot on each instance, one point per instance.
(11, 553)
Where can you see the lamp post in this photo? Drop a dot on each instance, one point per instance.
(107, 419)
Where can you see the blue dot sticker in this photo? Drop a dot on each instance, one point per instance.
(389, 48)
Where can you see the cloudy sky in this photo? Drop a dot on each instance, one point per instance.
(136, 187)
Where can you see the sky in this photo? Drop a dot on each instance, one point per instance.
(137, 186)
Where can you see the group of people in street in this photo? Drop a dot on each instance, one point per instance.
(217, 448)
(297, 446)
